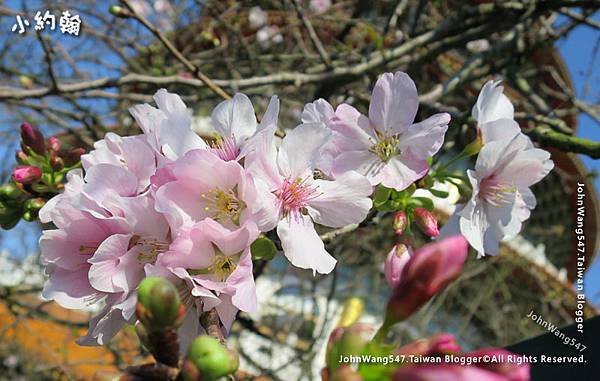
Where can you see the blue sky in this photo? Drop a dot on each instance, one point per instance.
(581, 55)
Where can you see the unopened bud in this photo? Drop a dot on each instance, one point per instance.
(509, 370)
(474, 147)
(211, 358)
(118, 11)
(351, 312)
(54, 144)
(26, 82)
(159, 306)
(21, 157)
(10, 191)
(32, 138)
(395, 262)
(428, 271)
(10, 214)
(57, 163)
(32, 207)
(26, 174)
(73, 156)
(400, 222)
(29, 216)
(443, 343)
(350, 342)
(426, 222)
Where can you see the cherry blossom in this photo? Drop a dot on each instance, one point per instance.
(303, 197)
(386, 147)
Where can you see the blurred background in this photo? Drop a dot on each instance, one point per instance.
(78, 86)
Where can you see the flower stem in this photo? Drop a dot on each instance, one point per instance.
(383, 330)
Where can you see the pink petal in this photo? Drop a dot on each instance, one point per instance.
(303, 247)
(394, 103)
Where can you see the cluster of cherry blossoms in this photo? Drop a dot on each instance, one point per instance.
(168, 203)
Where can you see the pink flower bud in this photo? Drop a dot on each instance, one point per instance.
(33, 139)
(26, 174)
(426, 222)
(511, 370)
(437, 345)
(21, 157)
(400, 222)
(395, 262)
(428, 271)
(54, 144)
(446, 372)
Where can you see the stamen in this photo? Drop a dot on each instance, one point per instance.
(226, 149)
(223, 205)
(221, 268)
(495, 192)
(148, 248)
(87, 249)
(294, 195)
(386, 147)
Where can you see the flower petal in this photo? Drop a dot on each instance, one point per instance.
(300, 149)
(425, 138)
(492, 104)
(394, 103)
(317, 111)
(402, 170)
(235, 117)
(364, 162)
(341, 202)
(303, 247)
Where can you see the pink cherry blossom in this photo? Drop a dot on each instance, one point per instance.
(168, 127)
(386, 146)
(507, 165)
(132, 153)
(215, 262)
(236, 125)
(205, 186)
(107, 231)
(302, 196)
(501, 198)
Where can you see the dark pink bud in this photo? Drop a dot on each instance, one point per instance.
(426, 222)
(428, 271)
(33, 139)
(441, 344)
(73, 156)
(446, 372)
(26, 174)
(395, 262)
(511, 370)
(400, 222)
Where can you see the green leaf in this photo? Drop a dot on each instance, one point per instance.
(439, 193)
(382, 194)
(422, 202)
(263, 248)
